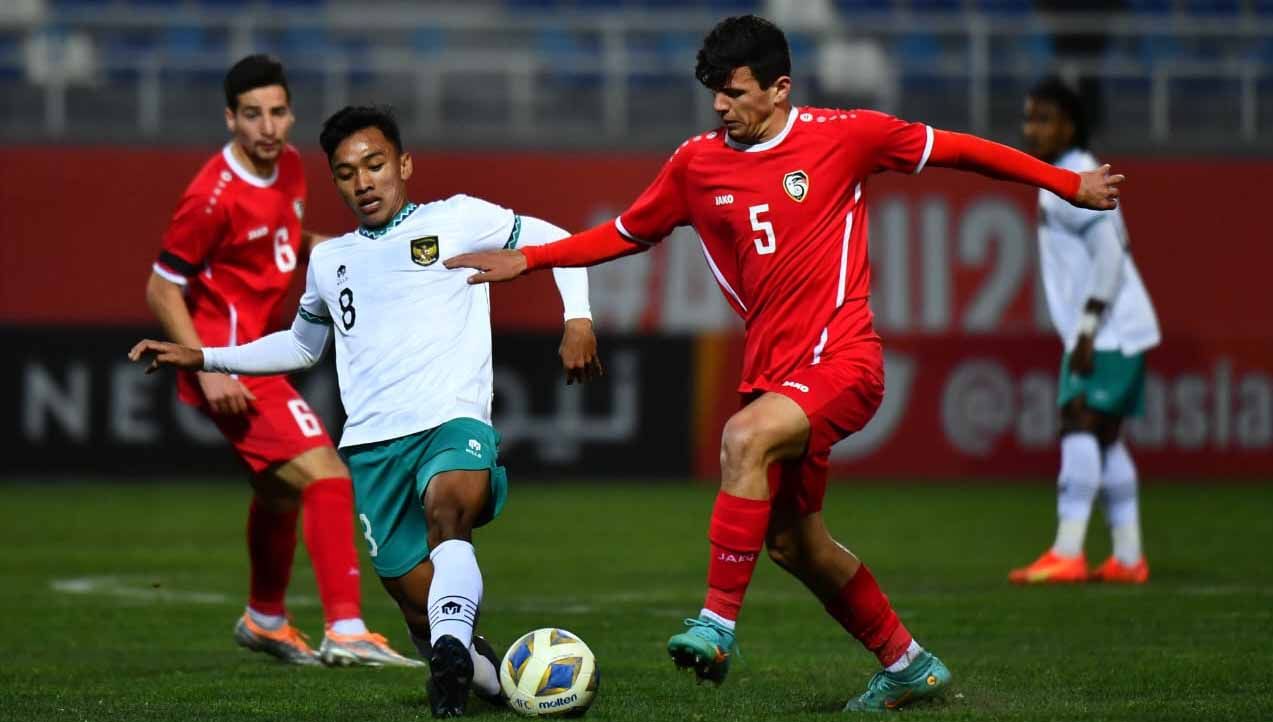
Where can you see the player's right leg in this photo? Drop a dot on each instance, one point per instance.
(770, 428)
(1077, 485)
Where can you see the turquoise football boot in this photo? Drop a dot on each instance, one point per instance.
(706, 647)
(926, 677)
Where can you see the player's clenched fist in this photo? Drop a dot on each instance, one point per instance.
(1098, 189)
(163, 353)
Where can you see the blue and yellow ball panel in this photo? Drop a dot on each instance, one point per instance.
(522, 652)
(559, 676)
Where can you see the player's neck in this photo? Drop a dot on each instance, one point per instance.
(777, 122)
(259, 168)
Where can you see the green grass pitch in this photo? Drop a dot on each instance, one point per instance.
(116, 603)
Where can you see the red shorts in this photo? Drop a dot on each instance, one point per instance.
(839, 396)
(277, 428)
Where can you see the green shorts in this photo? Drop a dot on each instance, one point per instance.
(390, 478)
(1116, 385)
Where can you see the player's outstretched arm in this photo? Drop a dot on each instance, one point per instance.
(1097, 189)
(593, 246)
(278, 353)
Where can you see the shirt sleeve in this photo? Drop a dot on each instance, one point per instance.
(572, 283)
(312, 309)
(661, 208)
(1106, 245)
(277, 353)
(196, 227)
(486, 226)
(894, 144)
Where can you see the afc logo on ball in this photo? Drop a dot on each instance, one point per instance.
(796, 184)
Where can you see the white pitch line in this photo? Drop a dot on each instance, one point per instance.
(141, 590)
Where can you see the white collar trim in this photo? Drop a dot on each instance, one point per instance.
(243, 173)
(772, 142)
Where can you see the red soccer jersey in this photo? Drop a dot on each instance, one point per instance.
(783, 226)
(233, 241)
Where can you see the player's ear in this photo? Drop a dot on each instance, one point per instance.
(229, 119)
(780, 89)
(405, 166)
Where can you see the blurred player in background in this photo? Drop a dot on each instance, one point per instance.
(413, 343)
(1106, 321)
(227, 260)
(777, 196)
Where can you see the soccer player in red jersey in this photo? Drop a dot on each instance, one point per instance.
(227, 260)
(778, 197)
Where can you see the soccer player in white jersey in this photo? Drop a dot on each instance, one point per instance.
(413, 354)
(1105, 319)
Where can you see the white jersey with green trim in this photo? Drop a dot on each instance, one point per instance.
(413, 338)
(1073, 244)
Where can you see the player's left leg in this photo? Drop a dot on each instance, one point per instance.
(1123, 380)
(799, 542)
(767, 429)
(303, 463)
(321, 482)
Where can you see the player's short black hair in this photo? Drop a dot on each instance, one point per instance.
(353, 118)
(250, 73)
(743, 40)
(1054, 90)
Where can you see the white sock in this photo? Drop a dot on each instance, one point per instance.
(726, 623)
(1122, 506)
(1077, 484)
(345, 627)
(907, 657)
(485, 676)
(266, 621)
(456, 591)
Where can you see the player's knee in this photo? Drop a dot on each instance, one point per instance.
(785, 551)
(452, 505)
(744, 441)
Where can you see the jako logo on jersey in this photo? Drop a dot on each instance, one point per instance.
(797, 386)
(256, 233)
(475, 448)
(725, 199)
(796, 183)
(738, 558)
(424, 251)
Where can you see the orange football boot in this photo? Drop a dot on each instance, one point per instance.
(1051, 568)
(1116, 572)
(287, 642)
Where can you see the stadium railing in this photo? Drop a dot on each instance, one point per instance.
(492, 76)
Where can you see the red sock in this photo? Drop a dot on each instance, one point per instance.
(329, 537)
(863, 610)
(271, 546)
(737, 534)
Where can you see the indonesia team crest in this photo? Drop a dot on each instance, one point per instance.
(796, 184)
(424, 251)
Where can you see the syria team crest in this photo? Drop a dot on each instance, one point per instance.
(424, 251)
(796, 184)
